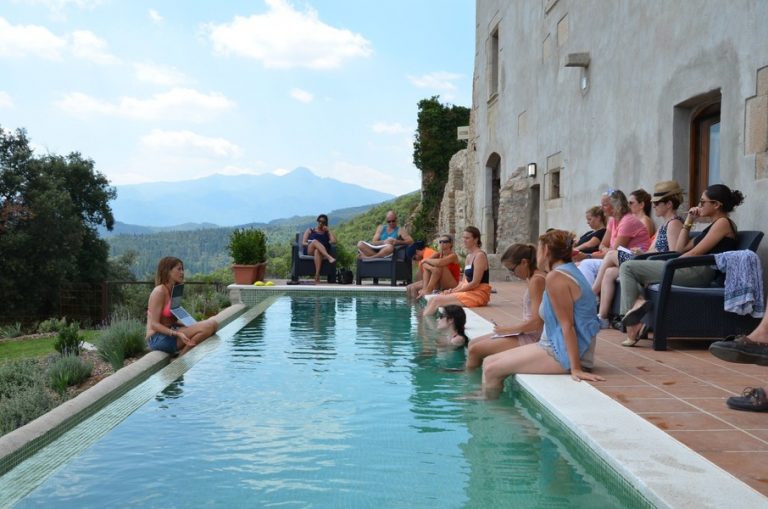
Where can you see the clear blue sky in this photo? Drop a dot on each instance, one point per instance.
(172, 90)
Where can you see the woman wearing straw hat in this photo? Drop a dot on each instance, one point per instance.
(667, 196)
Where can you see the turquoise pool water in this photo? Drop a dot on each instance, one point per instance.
(325, 402)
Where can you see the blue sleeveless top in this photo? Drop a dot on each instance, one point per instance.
(394, 234)
(584, 318)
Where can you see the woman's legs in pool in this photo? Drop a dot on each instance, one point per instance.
(528, 359)
(485, 346)
(607, 291)
(440, 301)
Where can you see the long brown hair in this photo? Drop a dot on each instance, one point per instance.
(516, 253)
(164, 268)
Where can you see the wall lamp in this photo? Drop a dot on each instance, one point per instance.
(532, 170)
(581, 60)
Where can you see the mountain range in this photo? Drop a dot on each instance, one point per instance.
(229, 200)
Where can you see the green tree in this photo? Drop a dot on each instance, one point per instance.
(433, 148)
(50, 207)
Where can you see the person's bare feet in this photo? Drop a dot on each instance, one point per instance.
(331, 259)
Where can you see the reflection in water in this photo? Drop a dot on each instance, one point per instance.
(301, 409)
(173, 391)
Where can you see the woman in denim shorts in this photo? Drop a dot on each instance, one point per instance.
(163, 331)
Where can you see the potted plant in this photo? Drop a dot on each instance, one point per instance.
(248, 249)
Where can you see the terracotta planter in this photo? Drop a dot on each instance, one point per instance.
(261, 271)
(247, 274)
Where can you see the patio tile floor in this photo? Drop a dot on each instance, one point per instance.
(681, 390)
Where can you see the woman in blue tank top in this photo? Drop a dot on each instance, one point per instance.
(570, 324)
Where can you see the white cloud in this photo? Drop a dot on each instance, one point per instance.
(159, 75)
(5, 100)
(88, 46)
(441, 81)
(18, 41)
(155, 16)
(280, 171)
(390, 128)
(60, 5)
(33, 40)
(187, 141)
(179, 103)
(302, 95)
(285, 38)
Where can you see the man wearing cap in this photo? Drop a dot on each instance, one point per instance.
(418, 252)
(387, 237)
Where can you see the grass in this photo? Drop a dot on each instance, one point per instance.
(33, 348)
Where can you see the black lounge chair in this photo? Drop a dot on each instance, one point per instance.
(304, 265)
(683, 312)
(396, 267)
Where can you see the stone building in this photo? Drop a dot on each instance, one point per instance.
(571, 98)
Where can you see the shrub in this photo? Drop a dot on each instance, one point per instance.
(23, 394)
(247, 246)
(51, 325)
(68, 370)
(123, 338)
(11, 330)
(69, 340)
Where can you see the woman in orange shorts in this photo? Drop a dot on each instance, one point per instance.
(473, 290)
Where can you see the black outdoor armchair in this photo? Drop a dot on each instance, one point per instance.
(304, 265)
(683, 312)
(396, 267)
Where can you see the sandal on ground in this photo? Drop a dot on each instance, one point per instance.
(752, 400)
(634, 316)
(642, 333)
(740, 349)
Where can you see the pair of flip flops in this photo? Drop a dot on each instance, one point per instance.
(751, 400)
(634, 315)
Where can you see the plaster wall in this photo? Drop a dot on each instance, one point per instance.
(629, 128)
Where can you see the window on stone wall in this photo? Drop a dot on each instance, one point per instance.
(705, 150)
(493, 64)
(554, 184)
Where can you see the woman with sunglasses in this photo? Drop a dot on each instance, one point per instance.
(317, 243)
(442, 270)
(667, 197)
(451, 320)
(474, 289)
(570, 326)
(624, 230)
(716, 203)
(520, 261)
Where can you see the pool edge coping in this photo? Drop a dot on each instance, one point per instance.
(26, 440)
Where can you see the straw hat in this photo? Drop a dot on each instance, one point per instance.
(665, 189)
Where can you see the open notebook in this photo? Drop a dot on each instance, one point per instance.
(179, 312)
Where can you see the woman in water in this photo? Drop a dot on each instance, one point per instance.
(164, 333)
(451, 320)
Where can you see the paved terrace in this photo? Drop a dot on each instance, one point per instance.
(682, 391)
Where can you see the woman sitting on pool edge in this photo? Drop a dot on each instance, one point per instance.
(474, 289)
(163, 332)
(570, 324)
(520, 261)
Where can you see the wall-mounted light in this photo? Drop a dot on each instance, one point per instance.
(532, 170)
(581, 60)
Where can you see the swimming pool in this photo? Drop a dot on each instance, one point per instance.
(323, 402)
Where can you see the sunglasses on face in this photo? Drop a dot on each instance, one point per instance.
(702, 202)
(391, 221)
(440, 315)
(444, 241)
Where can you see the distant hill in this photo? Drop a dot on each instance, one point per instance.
(204, 250)
(228, 200)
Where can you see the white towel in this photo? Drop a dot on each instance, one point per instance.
(743, 282)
